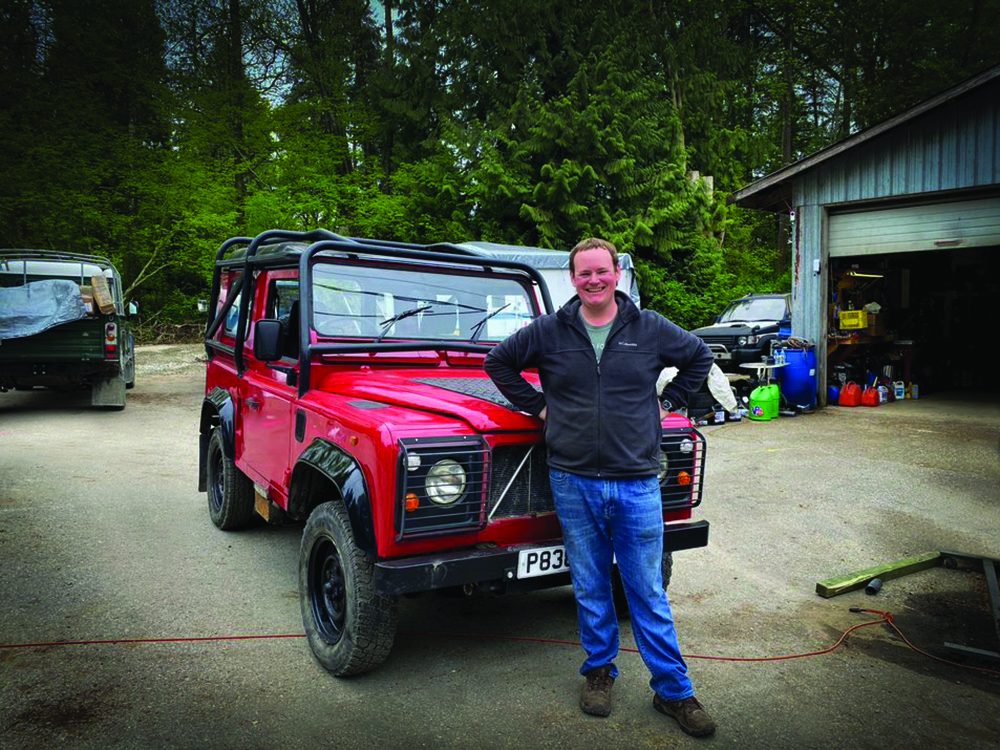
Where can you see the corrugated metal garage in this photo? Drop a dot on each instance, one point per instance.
(901, 221)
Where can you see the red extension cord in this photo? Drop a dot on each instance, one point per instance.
(884, 617)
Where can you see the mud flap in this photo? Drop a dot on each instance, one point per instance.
(110, 392)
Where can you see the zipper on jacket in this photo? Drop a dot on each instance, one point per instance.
(616, 326)
(600, 422)
(577, 326)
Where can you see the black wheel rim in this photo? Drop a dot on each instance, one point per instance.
(216, 482)
(327, 590)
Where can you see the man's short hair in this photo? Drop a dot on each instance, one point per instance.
(590, 244)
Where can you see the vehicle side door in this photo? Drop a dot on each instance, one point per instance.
(268, 389)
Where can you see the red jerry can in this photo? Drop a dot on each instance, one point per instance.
(850, 395)
(870, 397)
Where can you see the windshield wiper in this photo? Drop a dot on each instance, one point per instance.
(479, 327)
(389, 322)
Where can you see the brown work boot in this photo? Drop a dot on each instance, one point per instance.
(596, 696)
(689, 714)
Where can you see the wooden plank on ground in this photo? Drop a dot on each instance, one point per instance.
(841, 585)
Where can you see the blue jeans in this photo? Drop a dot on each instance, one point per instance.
(606, 518)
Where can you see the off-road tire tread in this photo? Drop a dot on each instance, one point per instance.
(237, 494)
(371, 619)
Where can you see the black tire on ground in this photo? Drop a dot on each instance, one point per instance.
(130, 368)
(618, 588)
(350, 628)
(230, 491)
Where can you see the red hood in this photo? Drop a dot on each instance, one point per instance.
(470, 396)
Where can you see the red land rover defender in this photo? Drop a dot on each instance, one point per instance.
(345, 390)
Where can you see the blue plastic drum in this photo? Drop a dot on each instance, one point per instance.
(797, 380)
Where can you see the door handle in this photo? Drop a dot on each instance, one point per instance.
(253, 403)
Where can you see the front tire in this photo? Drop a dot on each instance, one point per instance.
(350, 628)
(230, 491)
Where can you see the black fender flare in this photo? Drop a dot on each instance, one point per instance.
(344, 472)
(218, 408)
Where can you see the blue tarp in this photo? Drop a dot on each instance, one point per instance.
(37, 306)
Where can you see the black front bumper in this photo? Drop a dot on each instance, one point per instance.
(447, 569)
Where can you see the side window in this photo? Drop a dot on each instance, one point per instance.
(281, 296)
(232, 315)
(283, 305)
(231, 318)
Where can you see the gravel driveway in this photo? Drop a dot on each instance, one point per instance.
(103, 536)
(166, 359)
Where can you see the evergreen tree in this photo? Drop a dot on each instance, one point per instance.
(84, 120)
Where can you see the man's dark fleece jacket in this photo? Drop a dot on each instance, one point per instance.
(602, 418)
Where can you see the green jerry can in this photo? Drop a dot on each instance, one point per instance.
(764, 402)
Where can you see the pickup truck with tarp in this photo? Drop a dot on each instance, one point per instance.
(64, 325)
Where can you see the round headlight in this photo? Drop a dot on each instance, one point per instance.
(664, 465)
(445, 482)
(687, 445)
(741, 340)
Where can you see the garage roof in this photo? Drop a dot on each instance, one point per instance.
(773, 193)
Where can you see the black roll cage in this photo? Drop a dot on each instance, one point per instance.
(322, 240)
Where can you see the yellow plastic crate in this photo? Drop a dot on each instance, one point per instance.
(853, 318)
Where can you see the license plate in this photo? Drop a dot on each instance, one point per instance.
(541, 561)
(723, 355)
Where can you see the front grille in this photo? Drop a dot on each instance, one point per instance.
(684, 452)
(530, 491)
(723, 340)
(518, 481)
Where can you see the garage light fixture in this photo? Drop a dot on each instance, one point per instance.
(866, 275)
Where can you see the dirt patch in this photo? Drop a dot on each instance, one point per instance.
(70, 714)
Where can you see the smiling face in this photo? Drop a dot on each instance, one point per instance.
(595, 277)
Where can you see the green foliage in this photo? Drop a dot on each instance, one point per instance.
(151, 131)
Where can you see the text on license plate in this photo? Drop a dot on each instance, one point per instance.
(541, 561)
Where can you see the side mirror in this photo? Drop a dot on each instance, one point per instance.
(133, 309)
(267, 340)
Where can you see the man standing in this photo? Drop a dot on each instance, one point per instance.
(598, 358)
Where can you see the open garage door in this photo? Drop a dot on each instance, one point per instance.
(928, 278)
(927, 227)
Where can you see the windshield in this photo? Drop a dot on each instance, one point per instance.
(753, 310)
(403, 303)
